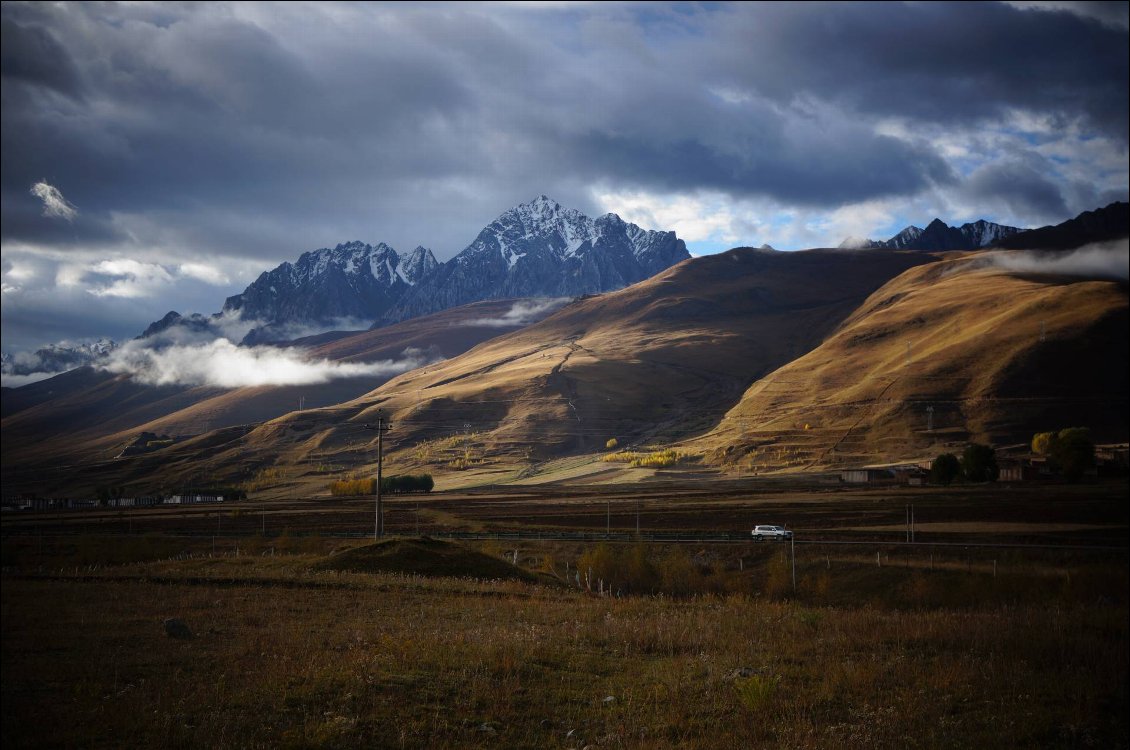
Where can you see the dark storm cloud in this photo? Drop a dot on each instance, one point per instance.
(33, 55)
(339, 128)
(1018, 185)
(936, 62)
(254, 132)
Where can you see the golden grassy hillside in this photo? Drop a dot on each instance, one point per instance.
(656, 362)
(87, 416)
(755, 360)
(996, 354)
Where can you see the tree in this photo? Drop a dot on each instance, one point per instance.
(1070, 451)
(1073, 452)
(399, 483)
(979, 463)
(1042, 443)
(944, 469)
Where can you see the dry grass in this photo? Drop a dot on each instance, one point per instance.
(993, 352)
(288, 656)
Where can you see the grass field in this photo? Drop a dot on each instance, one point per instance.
(705, 645)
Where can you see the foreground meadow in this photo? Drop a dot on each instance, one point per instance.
(286, 655)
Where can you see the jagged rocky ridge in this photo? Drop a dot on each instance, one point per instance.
(939, 236)
(540, 249)
(58, 357)
(1103, 224)
(352, 283)
(537, 249)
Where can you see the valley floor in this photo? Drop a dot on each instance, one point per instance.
(721, 645)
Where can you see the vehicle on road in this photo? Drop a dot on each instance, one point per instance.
(780, 533)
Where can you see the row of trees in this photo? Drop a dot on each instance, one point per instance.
(395, 484)
(1069, 452)
(407, 483)
(978, 463)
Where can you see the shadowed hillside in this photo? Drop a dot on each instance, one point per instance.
(757, 360)
(659, 361)
(90, 415)
(995, 354)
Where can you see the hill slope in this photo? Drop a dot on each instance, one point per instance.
(89, 415)
(660, 361)
(996, 355)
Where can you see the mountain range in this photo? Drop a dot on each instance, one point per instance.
(58, 357)
(939, 236)
(751, 359)
(536, 249)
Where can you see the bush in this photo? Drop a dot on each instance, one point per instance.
(944, 469)
(979, 463)
(612, 444)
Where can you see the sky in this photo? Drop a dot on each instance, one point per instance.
(160, 156)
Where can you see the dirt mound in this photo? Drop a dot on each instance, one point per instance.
(426, 557)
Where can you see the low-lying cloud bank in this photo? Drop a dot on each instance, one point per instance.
(8, 380)
(22, 368)
(200, 350)
(523, 313)
(222, 364)
(1102, 260)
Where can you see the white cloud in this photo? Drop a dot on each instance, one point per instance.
(133, 278)
(702, 217)
(204, 272)
(55, 206)
(1103, 260)
(522, 313)
(15, 381)
(222, 364)
(1110, 14)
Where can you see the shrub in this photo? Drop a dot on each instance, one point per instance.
(756, 691)
(612, 444)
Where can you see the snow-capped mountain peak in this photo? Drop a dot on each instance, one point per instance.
(540, 248)
(417, 265)
(54, 358)
(939, 236)
(536, 249)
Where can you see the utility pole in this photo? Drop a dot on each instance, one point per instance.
(792, 545)
(381, 427)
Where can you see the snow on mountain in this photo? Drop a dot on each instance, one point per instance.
(536, 249)
(541, 249)
(939, 236)
(352, 283)
(55, 358)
